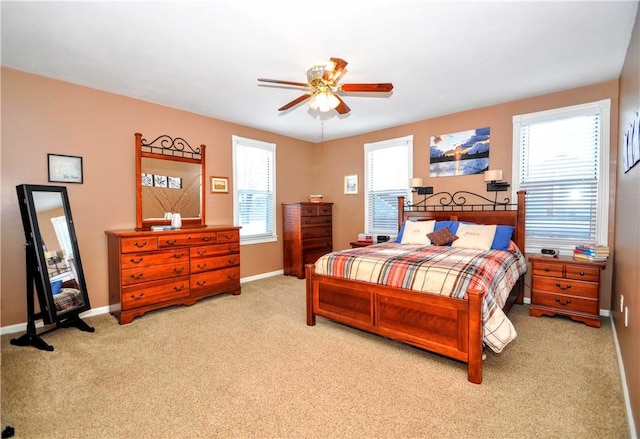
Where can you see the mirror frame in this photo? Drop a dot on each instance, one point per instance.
(175, 149)
(38, 260)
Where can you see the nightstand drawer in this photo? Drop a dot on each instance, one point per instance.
(548, 269)
(565, 303)
(588, 274)
(565, 287)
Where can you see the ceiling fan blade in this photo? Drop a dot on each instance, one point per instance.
(342, 108)
(278, 81)
(337, 72)
(294, 102)
(380, 87)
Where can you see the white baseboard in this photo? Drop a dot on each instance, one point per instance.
(625, 389)
(22, 327)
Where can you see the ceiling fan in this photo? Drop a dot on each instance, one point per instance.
(323, 87)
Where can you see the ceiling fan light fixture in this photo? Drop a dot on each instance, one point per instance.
(318, 70)
(323, 101)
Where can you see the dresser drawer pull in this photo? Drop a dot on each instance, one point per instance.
(144, 243)
(567, 302)
(568, 286)
(178, 255)
(231, 276)
(178, 269)
(547, 270)
(201, 267)
(136, 277)
(201, 283)
(228, 236)
(172, 242)
(201, 252)
(206, 238)
(232, 260)
(134, 297)
(180, 288)
(136, 261)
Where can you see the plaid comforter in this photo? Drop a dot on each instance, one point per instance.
(447, 271)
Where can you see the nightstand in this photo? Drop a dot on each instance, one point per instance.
(356, 244)
(567, 287)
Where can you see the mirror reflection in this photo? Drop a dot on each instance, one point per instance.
(58, 251)
(170, 187)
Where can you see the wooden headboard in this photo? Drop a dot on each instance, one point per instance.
(454, 207)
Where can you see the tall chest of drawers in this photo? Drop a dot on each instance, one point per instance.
(567, 287)
(153, 270)
(308, 234)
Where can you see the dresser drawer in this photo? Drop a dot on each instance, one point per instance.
(150, 293)
(565, 303)
(565, 286)
(136, 275)
(205, 251)
(205, 264)
(315, 232)
(316, 245)
(187, 239)
(316, 221)
(147, 259)
(589, 274)
(228, 236)
(315, 210)
(133, 245)
(201, 282)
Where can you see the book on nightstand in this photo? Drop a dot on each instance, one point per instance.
(591, 252)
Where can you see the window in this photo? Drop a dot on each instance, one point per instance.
(388, 167)
(254, 178)
(561, 158)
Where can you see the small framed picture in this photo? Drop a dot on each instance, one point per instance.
(174, 182)
(219, 185)
(147, 179)
(160, 180)
(351, 184)
(64, 168)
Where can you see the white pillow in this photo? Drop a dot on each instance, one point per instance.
(475, 236)
(415, 232)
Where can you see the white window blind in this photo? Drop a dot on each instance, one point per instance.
(254, 189)
(563, 166)
(388, 168)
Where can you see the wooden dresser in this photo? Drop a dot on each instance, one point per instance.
(567, 287)
(307, 235)
(152, 270)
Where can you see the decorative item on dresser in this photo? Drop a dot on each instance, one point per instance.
(152, 270)
(562, 285)
(307, 235)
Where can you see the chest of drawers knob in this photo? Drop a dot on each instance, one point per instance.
(140, 245)
(566, 287)
(566, 302)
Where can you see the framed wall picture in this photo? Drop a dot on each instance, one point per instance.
(64, 168)
(219, 185)
(351, 184)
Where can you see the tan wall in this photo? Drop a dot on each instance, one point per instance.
(626, 266)
(345, 156)
(41, 116)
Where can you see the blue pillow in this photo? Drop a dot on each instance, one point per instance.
(452, 225)
(56, 287)
(399, 238)
(502, 237)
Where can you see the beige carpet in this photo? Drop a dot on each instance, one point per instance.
(248, 367)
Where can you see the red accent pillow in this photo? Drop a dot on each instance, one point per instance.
(442, 236)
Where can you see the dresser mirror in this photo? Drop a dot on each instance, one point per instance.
(53, 262)
(170, 180)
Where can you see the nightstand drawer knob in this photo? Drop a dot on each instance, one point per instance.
(582, 273)
(563, 288)
(568, 301)
(547, 270)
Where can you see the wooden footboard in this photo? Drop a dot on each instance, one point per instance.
(444, 325)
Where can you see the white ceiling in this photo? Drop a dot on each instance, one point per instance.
(205, 57)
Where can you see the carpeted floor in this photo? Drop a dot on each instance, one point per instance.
(248, 367)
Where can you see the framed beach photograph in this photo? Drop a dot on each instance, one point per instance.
(64, 168)
(351, 184)
(219, 185)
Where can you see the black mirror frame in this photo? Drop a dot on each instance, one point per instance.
(36, 264)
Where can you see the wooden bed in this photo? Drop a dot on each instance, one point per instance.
(448, 326)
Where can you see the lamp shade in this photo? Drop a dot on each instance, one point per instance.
(415, 182)
(493, 175)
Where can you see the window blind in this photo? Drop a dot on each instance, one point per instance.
(254, 194)
(388, 166)
(560, 167)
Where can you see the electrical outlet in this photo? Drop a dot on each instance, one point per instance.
(621, 302)
(626, 316)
